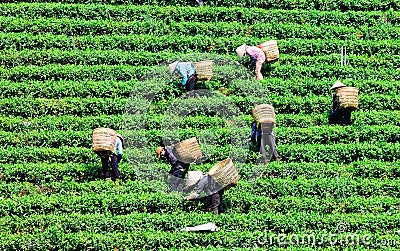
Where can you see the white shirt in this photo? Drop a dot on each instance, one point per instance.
(118, 145)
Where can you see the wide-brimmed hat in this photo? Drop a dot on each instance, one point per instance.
(241, 50)
(193, 177)
(337, 84)
(172, 67)
(159, 150)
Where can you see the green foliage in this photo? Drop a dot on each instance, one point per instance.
(70, 66)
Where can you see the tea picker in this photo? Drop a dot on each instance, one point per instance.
(191, 72)
(180, 156)
(220, 178)
(262, 133)
(187, 72)
(345, 100)
(108, 144)
(264, 52)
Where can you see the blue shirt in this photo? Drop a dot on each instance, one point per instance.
(186, 70)
(254, 131)
(118, 146)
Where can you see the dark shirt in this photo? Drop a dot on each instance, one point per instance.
(255, 132)
(207, 185)
(175, 163)
(334, 102)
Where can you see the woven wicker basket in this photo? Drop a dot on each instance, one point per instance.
(270, 49)
(103, 141)
(264, 113)
(347, 98)
(188, 150)
(203, 70)
(224, 173)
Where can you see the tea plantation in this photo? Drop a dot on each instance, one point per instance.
(70, 66)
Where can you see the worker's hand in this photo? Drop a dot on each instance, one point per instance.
(192, 196)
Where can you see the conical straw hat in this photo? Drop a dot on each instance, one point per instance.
(337, 84)
(172, 67)
(241, 50)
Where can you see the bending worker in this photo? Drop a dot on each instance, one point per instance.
(262, 136)
(257, 57)
(205, 183)
(188, 73)
(178, 168)
(337, 115)
(114, 159)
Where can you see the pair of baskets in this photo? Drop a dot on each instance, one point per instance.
(270, 49)
(103, 141)
(347, 98)
(264, 115)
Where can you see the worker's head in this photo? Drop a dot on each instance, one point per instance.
(241, 50)
(160, 151)
(172, 67)
(337, 85)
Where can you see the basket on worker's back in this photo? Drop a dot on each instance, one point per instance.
(347, 98)
(264, 113)
(103, 141)
(203, 69)
(188, 150)
(224, 173)
(270, 49)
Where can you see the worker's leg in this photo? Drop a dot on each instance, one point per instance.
(259, 64)
(263, 151)
(104, 167)
(216, 202)
(271, 143)
(114, 164)
(176, 182)
(191, 83)
(347, 117)
(334, 118)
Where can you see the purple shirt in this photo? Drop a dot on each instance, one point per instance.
(255, 52)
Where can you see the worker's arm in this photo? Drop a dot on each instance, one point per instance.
(170, 155)
(118, 148)
(334, 102)
(253, 131)
(186, 70)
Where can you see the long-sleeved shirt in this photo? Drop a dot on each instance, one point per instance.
(186, 70)
(207, 185)
(334, 102)
(255, 52)
(255, 133)
(175, 163)
(118, 146)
